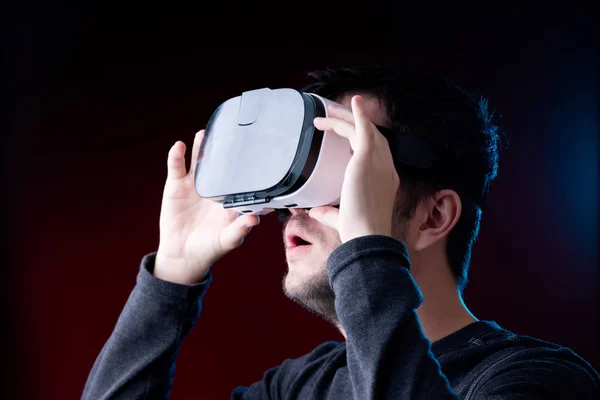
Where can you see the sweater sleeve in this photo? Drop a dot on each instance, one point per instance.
(376, 299)
(138, 360)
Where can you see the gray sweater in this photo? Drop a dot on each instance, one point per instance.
(385, 356)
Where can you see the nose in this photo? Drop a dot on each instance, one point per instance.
(296, 211)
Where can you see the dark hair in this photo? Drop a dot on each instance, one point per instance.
(440, 111)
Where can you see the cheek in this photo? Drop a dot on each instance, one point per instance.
(331, 238)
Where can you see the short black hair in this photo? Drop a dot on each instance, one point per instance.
(441, 111)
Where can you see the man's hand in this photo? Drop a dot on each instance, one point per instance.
(194, 232)
(370, 181)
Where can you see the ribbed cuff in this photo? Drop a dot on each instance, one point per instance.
(152, 285)
(366, 246)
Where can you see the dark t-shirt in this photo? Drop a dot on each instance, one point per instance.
(386, 355)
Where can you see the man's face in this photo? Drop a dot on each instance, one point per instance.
(306, 281)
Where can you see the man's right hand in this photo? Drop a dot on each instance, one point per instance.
(194, 232)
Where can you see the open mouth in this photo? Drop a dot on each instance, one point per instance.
(298, 241)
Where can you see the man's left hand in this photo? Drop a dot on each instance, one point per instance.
(370, 182)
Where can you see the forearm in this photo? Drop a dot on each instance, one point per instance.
(388, 355)
(138, 360)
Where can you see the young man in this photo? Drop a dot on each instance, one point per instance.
(387, 267)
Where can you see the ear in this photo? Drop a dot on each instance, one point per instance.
(439, 215)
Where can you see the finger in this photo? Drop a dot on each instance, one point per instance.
(326, 215)
(365, 134)
(340, 112)
(196, 156)
(176, 161)
(339, 126)
(233, 234)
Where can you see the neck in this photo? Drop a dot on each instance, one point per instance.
(443, 311)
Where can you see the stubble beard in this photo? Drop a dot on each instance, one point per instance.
(314, 292)
(306, 282)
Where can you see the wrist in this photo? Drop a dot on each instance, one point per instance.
(177, 271)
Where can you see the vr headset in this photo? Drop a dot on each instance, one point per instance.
(262, 151)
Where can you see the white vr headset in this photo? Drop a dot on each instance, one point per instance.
(261, 151)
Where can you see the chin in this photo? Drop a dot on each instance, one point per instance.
(301, 272)
(306, 283)
(305, 268)
(292, 283)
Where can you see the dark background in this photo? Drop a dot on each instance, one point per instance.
(97, 96)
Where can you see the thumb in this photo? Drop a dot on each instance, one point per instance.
(234, 234)
(326, 215)
(176, 161)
